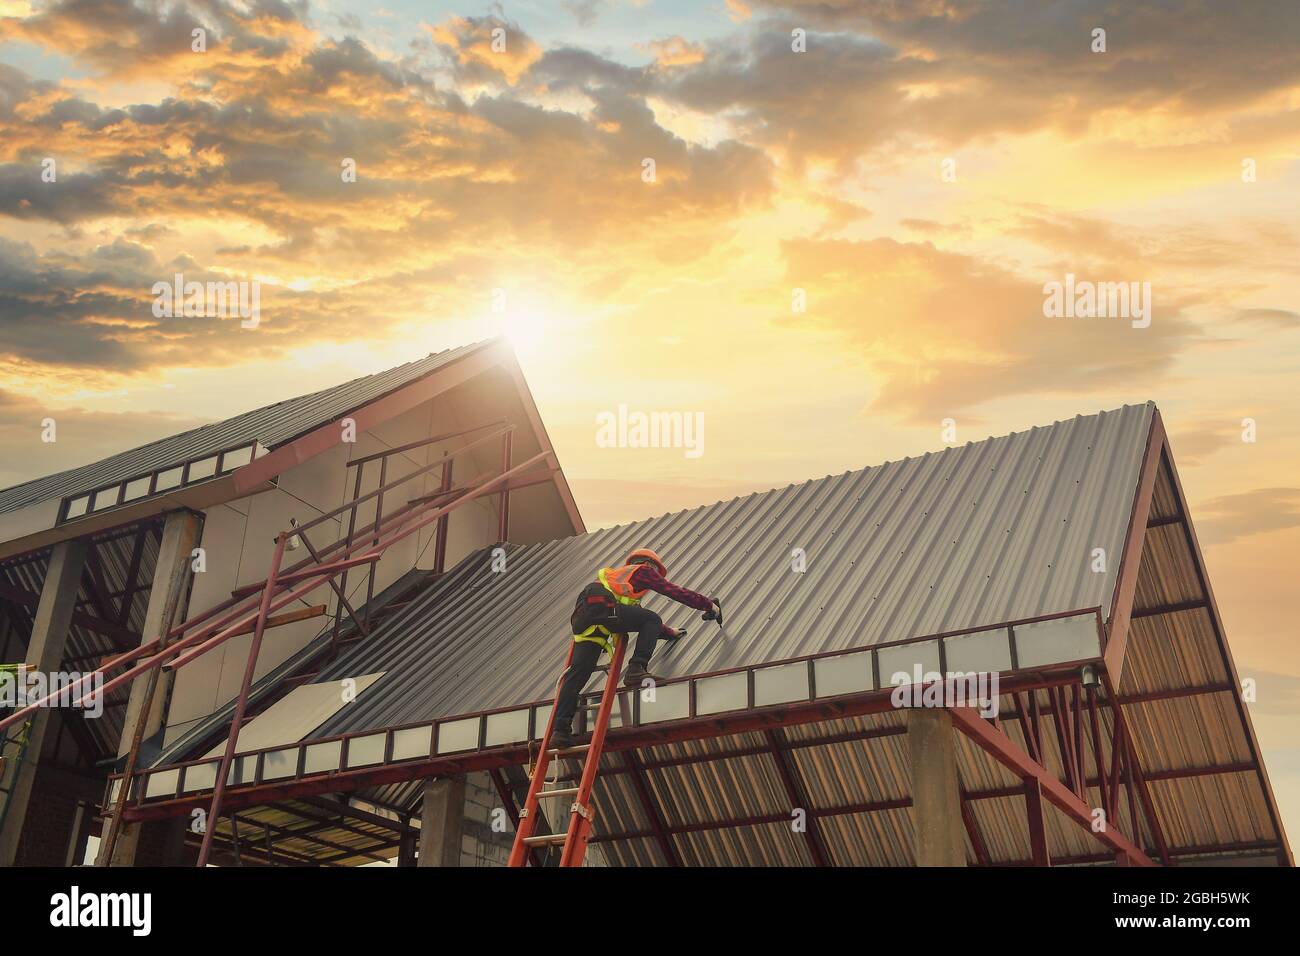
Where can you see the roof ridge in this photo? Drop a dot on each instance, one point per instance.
(469, 347)
(866, 468)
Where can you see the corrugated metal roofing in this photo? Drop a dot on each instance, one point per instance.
(993, 531)
(86, 646)
(970, 537)
(270, 426)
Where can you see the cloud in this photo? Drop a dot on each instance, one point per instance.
(879, 79)
(1278, 318)
(486, 49)
(586, 12)
(675, 51)
(1231, 518)
(1194, 441)
(83, 435)
(1275, 693)
(944, 332)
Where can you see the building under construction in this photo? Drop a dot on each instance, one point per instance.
(329, 633)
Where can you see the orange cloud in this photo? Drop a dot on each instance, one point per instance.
(486, 47)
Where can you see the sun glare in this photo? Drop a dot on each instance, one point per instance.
(527, 329)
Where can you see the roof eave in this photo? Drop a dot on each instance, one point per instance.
(260, 474)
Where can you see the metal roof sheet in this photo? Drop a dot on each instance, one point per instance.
(993, 531)
(271, 426)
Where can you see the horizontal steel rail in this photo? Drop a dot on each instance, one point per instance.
(484, 739)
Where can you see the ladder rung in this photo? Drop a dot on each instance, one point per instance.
(545, 839)
(551, 794)
(581, 748)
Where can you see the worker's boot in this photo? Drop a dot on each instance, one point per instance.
(562, 739)
(636, 674)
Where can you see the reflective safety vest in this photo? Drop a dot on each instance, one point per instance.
(618, 582)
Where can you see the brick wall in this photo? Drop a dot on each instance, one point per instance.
(51, 815)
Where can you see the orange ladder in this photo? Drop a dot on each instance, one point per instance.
(581, 815)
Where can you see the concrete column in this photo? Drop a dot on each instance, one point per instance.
(442, 821)
(45, 654)
(936, 795)
(171, 578)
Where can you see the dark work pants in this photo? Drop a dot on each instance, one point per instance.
(632, 619)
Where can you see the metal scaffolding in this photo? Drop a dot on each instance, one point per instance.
(252, 609)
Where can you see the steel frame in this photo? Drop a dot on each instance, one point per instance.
(254, 790)
(1070, 718)
(252, 608)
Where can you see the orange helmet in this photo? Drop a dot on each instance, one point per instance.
(645, 554)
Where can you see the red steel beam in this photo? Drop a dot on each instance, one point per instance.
(973, 831)
(444, 523)
(1131, 556)
(132, 576)
(387, 453)
(1037, 826)
(90, 622)
(241, 704)
(1198, 561)
(405, 530)
(503, 507)
(795, 793)
(697, 728)
(1000, 747)
(511, 808)
(403, 399)
(657, 826)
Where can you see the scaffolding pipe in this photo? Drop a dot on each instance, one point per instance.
(241, 615)
(210, 824)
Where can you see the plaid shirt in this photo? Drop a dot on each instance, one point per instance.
(646, 578)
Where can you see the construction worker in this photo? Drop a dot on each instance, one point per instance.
(612, 605)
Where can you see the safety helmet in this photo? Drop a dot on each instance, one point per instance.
(646, 555)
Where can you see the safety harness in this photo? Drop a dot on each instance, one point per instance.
(598, 602)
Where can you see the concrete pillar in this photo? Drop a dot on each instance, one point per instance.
(44, 654)
(936, 795)
(171, 579)
(442, 821)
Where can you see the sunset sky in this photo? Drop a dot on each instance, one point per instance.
(1173, 158)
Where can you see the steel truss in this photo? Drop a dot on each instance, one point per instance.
(252, 608)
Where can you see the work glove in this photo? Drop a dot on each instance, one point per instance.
(713, 613)
(673, 633)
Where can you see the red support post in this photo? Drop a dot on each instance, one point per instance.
(637, 773)
(798, 800)
(241, 705)
(503, 527)
(973, 832)
(440, 544)
(343, 579)
(1097, 759)
(508, 802)
(1037, 829)
(1001, 748)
